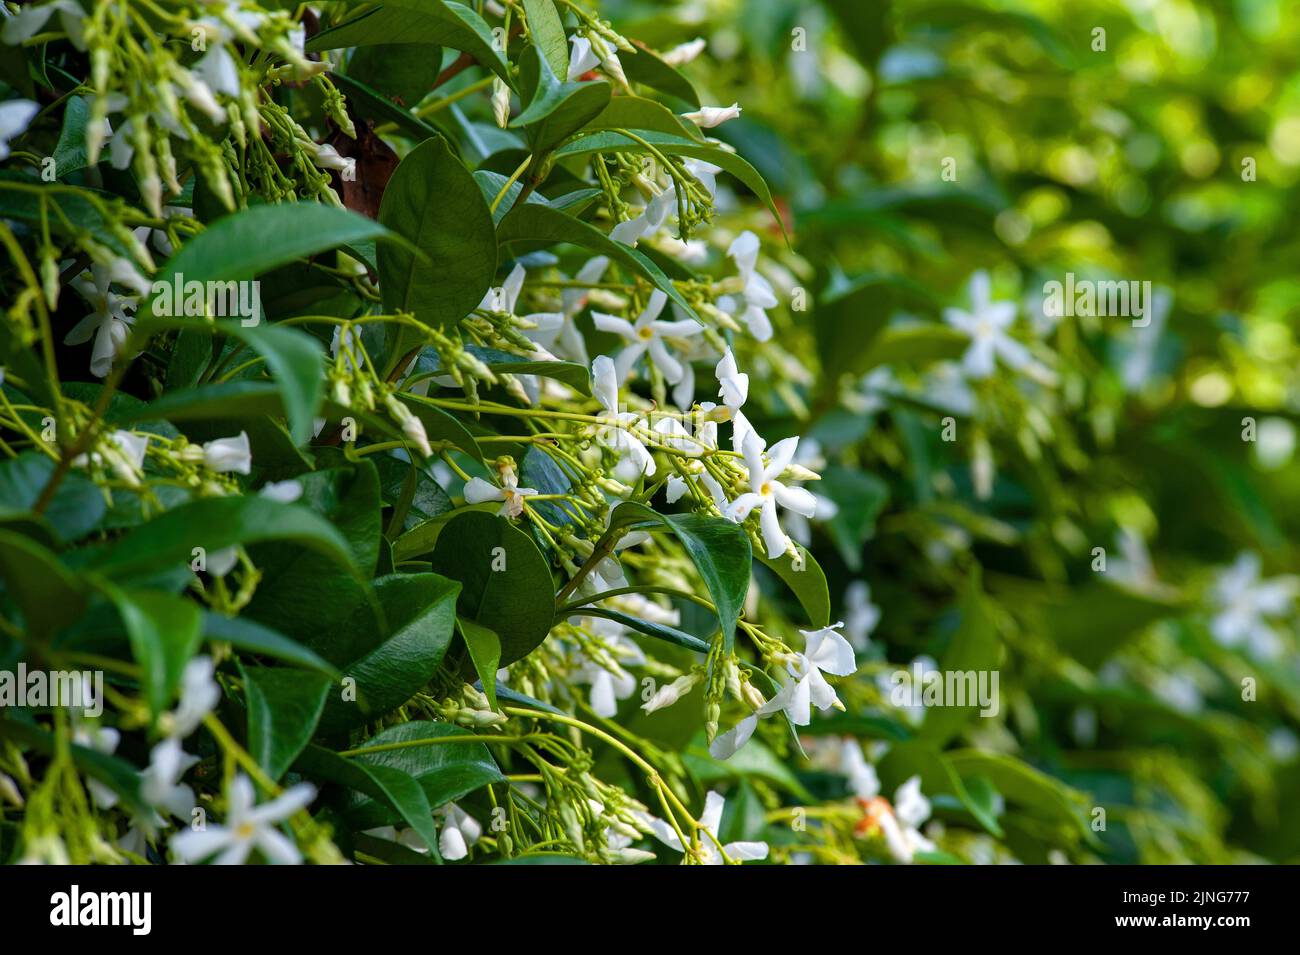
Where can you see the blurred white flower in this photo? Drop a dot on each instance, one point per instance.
(229, 454)
(758, 294)
(15, 115)
(1244, 601)
(709, 116)
(710, 820)
(247, 827)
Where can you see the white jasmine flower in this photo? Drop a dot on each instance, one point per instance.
(733, 384)
(1244, 600)
(286, 492)
(500, 102)
(825, 651)
(160, 785)
(986, 324)
(30, 20)
(710, 116)
(102, 739)
(15, 115)
(766, 492)
(615, 431)
(108, 323)
(648, 221)
(670, 693)
(860, 614)
(861, 774)
(570, 342)
(412, 426)
(683, 53)
(612, 683)
(247, 827)
(199, 697)
(459, 831)
(582, 58)
(758, 294)
(228, 454)
(478, 491)
(327, 157)
(124, 452)
(900, 824)
(710, 819)
(648, 334)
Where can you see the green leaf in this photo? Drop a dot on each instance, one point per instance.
(646, 67)
(603, 142)
(659, 631)
(76, 508)
(258, 239)
(529, 222)
(284, 707)
(392, 787)
(635, 112)
(555, 109)
(214, 524)
(719, 549)
(859, 497)
(444, 769)
(807, 581)
(506, 584)
(420, 612)
(404, 72)
(916, 345)
(49, 596)
(247, 635)
(484, 652)
(975, 647)
(434, 202)
(164, 631)
(1027, 790)
(437, 22)
(547, 32)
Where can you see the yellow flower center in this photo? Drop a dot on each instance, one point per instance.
(646, 333)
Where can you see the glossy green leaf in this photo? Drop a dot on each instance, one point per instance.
(164, 631)
(807, 581)
(449, 767)
(433, 201)
(506, 583)
(484, 648)
(48, 594)
(284, 707)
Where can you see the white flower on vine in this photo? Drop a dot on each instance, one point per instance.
(479, 491)
(160, 785)
(860, 614)
(15, 115)
(460, 830)
(123, 452)
(614, 431)
(648, 335)
(247, 826)
(1244, 601)
(986, 324)
(757, 293)
(582, 58)
(825, 651)
(709, 116)
(766, 492)
(108, 322)
(101, 739)
(901, 825)
(670, 693)
(29, 21)
(327, 157)
(733, 384)
(710, 821)
(684, 53)
(609, 681)
(569, 341)
(861, 774)
(226, 455)
(199, 697)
